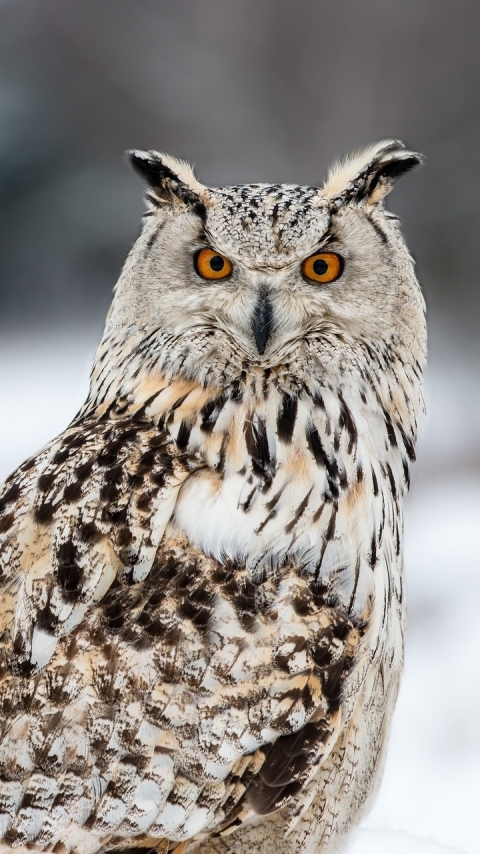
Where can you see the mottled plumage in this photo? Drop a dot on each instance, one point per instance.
(201, 631)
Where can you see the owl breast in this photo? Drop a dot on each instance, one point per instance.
(284, 477)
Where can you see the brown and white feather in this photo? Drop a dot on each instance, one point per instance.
(202, 619)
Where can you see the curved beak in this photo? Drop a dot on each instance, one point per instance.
(262, 321)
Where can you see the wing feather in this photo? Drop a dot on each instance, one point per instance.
(149, 691)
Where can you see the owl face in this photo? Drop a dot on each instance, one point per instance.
(278, 277)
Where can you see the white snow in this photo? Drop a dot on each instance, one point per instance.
(428, 799)
(367, 841)
(43, 382)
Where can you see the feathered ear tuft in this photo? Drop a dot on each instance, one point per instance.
(370, 174)
(168, 179)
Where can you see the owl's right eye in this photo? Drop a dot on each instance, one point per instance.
(211, 265)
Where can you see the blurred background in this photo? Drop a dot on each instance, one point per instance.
(265, 90)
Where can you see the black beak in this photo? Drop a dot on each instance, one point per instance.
(262, 321)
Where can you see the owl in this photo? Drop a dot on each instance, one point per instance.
(202, 613)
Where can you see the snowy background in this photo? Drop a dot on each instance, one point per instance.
(267, 90)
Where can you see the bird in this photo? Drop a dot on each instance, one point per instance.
(202, 613)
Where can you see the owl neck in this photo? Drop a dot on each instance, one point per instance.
(263, 419)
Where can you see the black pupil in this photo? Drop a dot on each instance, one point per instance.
(320, 267)
(217, 263)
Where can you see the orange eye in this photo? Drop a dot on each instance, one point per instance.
(323, 267)
(211, 265)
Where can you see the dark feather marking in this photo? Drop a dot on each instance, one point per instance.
(318, 512)
(247, 503)
(288, 760)
(69, 574)
(397, 538)
(183, 436)
(318, 401)
(286, 418)
(374, 483)
(154, 237)
(147, 461)
(343, 479)
(274, 501)
(390, 431)
(236, 393)
(74, 440)
(267, 519)
(391, 478)
(84, 470)
(383, 237)
(267, 799)
(159, 440)
(347, 421)
(257, 447)
(109, 493)
(110, 408)
(329, 535)
(321, 458)
(179, 402)
(373, 551)
(46, 481)
(333, 490)
(355, 585)
(72, 491)
(382, 521)
(124, 537)
(114, 475)
(299, 512)
(10, 495)
(290, 755)
(220, 465)
(43, 514)
(408, 443)
(266, 384)
(46, 619)
(140, 413)
(144, 345)
(144, 501)
(210, 413)
(7, 522)
(240, 591)
(332, 682)
(330, 532)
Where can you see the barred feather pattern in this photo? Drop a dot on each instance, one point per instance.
(201, 630)
(180, 691)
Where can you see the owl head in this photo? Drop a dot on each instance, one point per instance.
(300, 281)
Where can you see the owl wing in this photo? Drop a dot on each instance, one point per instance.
(93, 505)
(149, 691)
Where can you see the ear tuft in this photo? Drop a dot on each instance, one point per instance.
(168, 179)
(370, 174)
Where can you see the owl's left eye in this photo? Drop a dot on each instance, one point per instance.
(211, 265)
(323, 267)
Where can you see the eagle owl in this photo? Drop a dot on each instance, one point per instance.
(202, 602)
